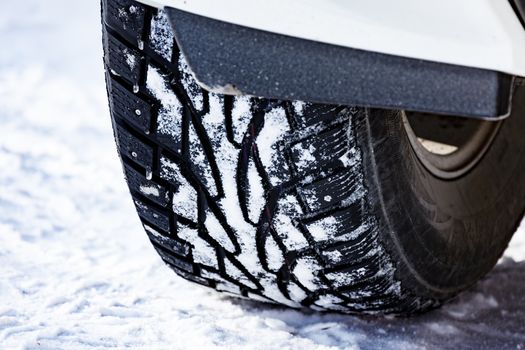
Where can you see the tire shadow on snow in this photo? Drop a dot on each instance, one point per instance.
(491, 315)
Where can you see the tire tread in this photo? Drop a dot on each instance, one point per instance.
(315, 182)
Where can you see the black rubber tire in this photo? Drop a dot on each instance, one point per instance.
(300, 204)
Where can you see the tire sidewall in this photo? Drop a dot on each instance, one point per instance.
(446, 234)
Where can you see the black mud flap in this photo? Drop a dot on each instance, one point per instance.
(233, 59)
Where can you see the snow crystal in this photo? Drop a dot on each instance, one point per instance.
(149, 174)
(241, 116)
(202, 252)
(161, 36)
(299, 107)
(273, 254)
(327, 300)
(288, 209)
(131, 60)
(351, 157)
(150, 190)
(217, 232)
(296, 293)
(305, 270)
(213, 121)
(306, 157)
(170, 117)
(344, 278)
(256, 199)
(275, 128)
(324, 229)
(185, 196)
(237, 274)
(200, 161)
(193, 90)
(333, 256)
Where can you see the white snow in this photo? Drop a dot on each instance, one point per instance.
(203, 252)
(198, 158)
(256, 200)
(169, 120)
(241, 116)
(217, 232)
(233, 271)
(78, 272)
(274, 129)
(161, 36)
(299, 107)
(193, 90)
(274, 256)
(305, 271)
(150, 190)
(131, 60)
(296, 293)
(185, 196)
(306, 158)
(324, 229)
(292, 238)
(341, 279)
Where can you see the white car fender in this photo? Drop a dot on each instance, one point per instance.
(483, 34)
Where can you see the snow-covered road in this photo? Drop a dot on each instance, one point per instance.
(76, 269)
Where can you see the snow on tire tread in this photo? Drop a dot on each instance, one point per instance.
(266, 196)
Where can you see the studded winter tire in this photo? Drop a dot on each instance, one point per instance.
(303, 204)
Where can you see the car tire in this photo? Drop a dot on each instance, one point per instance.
(296, 203)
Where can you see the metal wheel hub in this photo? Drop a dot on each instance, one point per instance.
(448, 146)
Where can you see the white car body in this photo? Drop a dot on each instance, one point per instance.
(483, 34)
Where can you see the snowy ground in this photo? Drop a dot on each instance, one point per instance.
(76, 270)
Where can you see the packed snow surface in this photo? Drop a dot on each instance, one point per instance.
(78, 272)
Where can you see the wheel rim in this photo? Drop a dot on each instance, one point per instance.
(448, 146)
